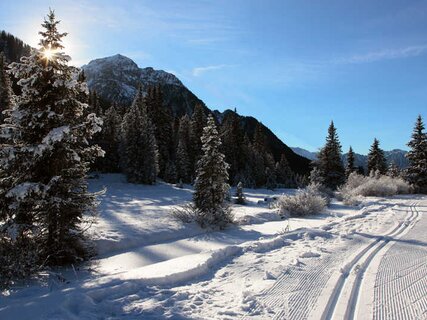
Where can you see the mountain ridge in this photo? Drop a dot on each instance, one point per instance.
(117, 78)
(396, 156)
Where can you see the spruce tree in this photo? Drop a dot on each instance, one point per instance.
(417, 171)
(350, 162)
(109, 140)
(6, 94)
(210, 187)
(184, 169)
(376, 159)
(329, 160)
(162, 122)
(284, 172)
(393, 170)
(198, 122)
(43, 188)
(233, 145)
(240, 197)
(139, 148)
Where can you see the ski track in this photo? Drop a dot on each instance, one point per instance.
(401, 282)
(295, 293)
(343, 303)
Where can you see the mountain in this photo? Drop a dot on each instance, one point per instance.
(305, 153)
(12, 47)
(396, 156)
(116, 79)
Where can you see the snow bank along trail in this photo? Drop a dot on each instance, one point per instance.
(341, 298)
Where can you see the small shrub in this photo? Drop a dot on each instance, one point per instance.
(304, 202)
(186, 213)
(218, 218)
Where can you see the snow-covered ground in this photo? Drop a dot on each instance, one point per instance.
(346, 262)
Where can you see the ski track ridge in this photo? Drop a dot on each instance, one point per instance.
(343, 303)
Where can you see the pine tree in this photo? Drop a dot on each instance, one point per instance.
(198, 122)
(211, 186)
(184, 169)
(393, 170)
(350, 162)
(329, 160)
(43, 190)
(376, 159)
(139, 147)
(171, 175)
(233, 145)
(6, 94)
(417, 171)
(109, 140)
(284, 172)
(162, 121)
(240, 197)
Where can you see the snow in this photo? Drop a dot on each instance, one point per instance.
(151, 266)
(23, 190)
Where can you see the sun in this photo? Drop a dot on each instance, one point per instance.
(48, 53)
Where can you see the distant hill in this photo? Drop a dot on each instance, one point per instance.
(396, 156)
(12, 47)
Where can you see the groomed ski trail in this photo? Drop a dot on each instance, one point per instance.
(342, 293)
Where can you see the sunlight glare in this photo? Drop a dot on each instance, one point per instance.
(48, 53)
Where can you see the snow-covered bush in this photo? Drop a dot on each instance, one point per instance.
(305, 202)
(376, 185)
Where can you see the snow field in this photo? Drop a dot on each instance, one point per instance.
(154, 267)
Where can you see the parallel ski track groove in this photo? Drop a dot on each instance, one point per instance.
(361, 262)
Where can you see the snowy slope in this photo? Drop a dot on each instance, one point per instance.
(153, 267)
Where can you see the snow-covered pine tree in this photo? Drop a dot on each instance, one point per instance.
(233, 145)
(393, 170)
(350, 162)
(284, 172)
(329, 160)
(184, 169)
(162, 121)
(198, 122)
(43, 188)
(170, 175)
(109, 140)
(139, 147)
(95, 104)
(417, 171)
(6, 94)
(316, 177)
(240, 197)
(376, 159)
(210, 187)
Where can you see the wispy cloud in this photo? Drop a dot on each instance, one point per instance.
(201, 70)
(385, 54)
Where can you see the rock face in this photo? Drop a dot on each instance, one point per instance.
(117, 79)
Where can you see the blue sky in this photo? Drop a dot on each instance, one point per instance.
(294, 65)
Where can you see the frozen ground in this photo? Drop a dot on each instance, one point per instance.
(367, 262)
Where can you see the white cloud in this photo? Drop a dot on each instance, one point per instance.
(201, 70)
(385, 54)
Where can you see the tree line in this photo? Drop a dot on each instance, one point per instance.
(330, 171)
